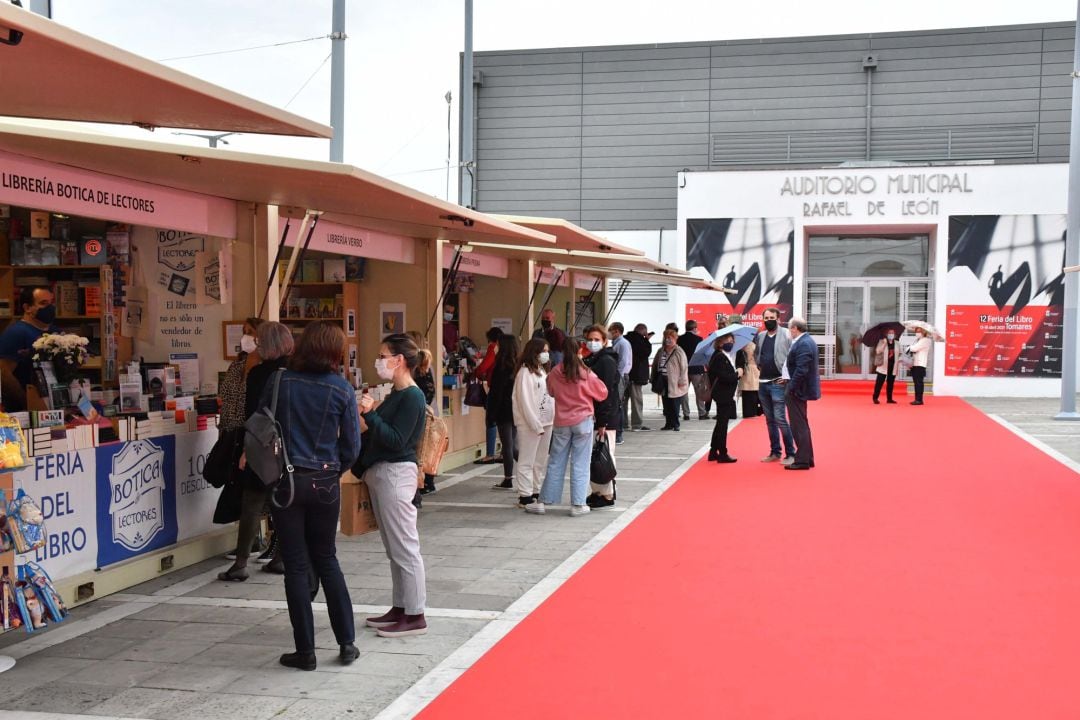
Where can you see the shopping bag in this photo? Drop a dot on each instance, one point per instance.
(475, 395)
(602, 467)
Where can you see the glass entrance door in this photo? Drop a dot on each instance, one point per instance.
(858, 306)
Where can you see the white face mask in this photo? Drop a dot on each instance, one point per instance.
(247, 344)
(448, 316)
(382, 371)
(544, 358)
(594, 346)
(891, 336)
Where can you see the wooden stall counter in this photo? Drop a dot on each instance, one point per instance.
(467, 429)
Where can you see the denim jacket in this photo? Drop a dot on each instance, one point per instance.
(319, 420)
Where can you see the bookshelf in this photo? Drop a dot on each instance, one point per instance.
(84, 304)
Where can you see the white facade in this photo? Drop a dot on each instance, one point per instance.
(887, 200)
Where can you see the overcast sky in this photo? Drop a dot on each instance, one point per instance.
(402, 55)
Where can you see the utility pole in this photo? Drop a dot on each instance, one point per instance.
(467, 159)
(337, 83)
(449, 99)
(1072, 248)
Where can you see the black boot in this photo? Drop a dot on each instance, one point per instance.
(298, 660)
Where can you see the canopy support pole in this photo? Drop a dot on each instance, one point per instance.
(451, 274)
(273, 267)
(587, 301)
(618, 299)
(556, 276)
(298, 256)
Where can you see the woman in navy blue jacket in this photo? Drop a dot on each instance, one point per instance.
(321, 429)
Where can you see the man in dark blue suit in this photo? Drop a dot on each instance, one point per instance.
(802, 383)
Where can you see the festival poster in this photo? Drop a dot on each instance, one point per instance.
(1005, 295)
(63, 486)
(755, 257)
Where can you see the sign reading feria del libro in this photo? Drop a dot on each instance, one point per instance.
(867, 195)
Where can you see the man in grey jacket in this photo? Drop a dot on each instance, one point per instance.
(773, 344)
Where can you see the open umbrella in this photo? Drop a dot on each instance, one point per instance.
(743, 335)
(926, 327)
(873, 336)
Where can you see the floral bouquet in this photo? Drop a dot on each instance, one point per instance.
(66, 353)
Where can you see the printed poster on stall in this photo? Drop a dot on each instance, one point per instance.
(136, 508)
(1005, 295)
(64, 487)
(195, 498)
(755, 257)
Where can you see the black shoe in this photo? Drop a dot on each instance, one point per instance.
(299, 660)
(876, 401)
(642, 428)
(917, 402)
(797, 466)
(506, 484)
(668, 427)
(714, 456)
(233, 574)
(271, 550)
(726, 459)
(596, 501)
(275, 566)
(890, 401)
(675, 429)
(685, 417)
(348, 654)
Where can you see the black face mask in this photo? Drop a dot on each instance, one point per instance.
(546, 324)
(770, 325)
(728, 347)
(46, 315)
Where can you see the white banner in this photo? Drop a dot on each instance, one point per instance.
(65, 489)
(195, 498)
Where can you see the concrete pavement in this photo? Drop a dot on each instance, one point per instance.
(188, 646)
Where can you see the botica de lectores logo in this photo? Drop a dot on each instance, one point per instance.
(137, 485)
(176, 250)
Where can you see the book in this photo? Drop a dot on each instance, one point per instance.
(92, 299)
(326, 308)
(92, 250)
(118, 245)
(354, 268)
(333, 270)
(67, 299)
(50, 251)
(39, 224)
(311, 271)
(295, 307)
(69, 252)
(311, 308)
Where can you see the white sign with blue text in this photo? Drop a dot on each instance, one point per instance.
(64, 487)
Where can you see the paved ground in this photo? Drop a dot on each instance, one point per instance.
(187, 646)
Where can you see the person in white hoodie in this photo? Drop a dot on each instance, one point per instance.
(534, 414)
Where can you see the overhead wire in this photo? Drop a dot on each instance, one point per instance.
(245, 49)
(310, 78)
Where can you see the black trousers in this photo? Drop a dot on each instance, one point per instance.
(751, 406)
(719, 436)
(506, 437)
(918, 378)
(308, 529)
(888, 381)
(672, 411)
(800, 430)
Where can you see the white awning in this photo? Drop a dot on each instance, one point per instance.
(57, 73)
(569, 236)
(346, 194)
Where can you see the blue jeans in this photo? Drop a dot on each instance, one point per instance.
(775, 410)
(572, 444)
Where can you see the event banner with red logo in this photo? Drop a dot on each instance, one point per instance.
(1005, 295)
(754, 257)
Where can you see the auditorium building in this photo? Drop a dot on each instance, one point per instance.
(850, 179)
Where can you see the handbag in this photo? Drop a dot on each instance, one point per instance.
(475, 395)
(658, 382)
(264, 447)
(221, 462)
(601, 467)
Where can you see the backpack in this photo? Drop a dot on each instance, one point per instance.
(264, 446)
(434, 442)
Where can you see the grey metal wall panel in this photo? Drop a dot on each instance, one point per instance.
(600, 133)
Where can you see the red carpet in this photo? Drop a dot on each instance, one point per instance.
(929, 567)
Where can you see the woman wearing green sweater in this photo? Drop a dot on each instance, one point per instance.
(388, 466)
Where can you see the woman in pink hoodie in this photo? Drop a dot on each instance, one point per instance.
(575, 388)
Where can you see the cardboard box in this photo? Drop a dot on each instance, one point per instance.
(357, 515)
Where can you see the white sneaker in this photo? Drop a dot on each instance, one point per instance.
(787, 461)
(578, 510)
(536, 508)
